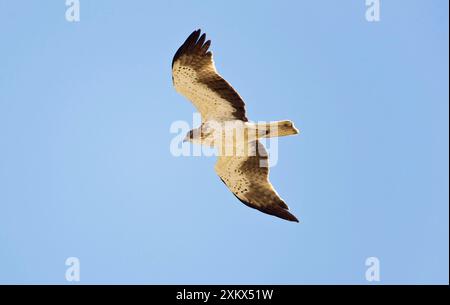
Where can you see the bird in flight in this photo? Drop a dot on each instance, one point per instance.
(242, 160)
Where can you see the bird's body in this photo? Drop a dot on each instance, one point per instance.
(243, 162)
(236, 134)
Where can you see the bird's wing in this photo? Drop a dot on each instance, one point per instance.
(194, 76)
(247, 177)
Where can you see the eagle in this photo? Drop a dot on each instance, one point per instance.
(242, 161)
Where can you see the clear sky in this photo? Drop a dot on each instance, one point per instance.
(86, 170)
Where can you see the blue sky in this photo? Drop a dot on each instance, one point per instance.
(86, 170)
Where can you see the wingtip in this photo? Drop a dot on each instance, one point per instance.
(283, 212)
(190, 45)
(285, 215)
(292, 218)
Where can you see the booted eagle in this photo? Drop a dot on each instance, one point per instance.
(245, 171)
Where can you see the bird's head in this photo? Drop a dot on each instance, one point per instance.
(198, 136)
(189, 136)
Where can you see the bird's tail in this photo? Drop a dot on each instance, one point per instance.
(276, 129)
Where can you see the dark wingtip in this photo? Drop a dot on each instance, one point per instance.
(277, 212)
(285, 214)
(294, 219)
(193, 44)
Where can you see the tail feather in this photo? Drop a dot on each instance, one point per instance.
(276, 129)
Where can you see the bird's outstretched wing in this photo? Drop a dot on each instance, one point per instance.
(194, 76)
(247, 177)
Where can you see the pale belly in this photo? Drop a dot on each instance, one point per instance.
(231, 138)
